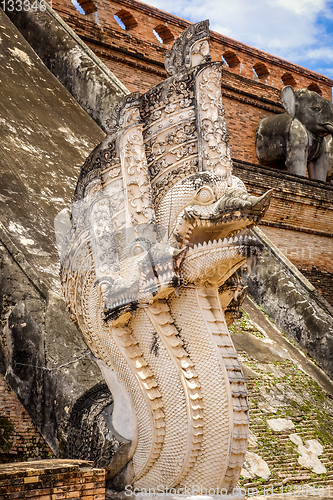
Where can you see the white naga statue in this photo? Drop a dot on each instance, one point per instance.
(158, 226)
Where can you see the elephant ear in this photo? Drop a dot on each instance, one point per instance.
(288, 99)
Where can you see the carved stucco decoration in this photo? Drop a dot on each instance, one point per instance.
(154, 235)
(189, 50)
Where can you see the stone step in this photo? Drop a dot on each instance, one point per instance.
(275, 485)
(274, 464)
(306, 434)
(294, 477)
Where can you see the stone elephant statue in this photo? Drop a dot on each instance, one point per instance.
(296, 139)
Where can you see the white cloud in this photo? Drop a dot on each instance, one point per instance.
(322, 53)
(285, 28)
(302, 7)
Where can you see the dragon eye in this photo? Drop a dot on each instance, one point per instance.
(137, 249)
(204, 195)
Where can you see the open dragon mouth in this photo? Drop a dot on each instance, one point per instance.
(206, 226)
(248, 241)
(215, 236)
(206, 232)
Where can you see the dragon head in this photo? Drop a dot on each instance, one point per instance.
(212, 221)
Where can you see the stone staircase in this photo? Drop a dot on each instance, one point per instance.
(284, 390)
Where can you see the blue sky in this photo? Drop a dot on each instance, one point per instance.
(300, 31)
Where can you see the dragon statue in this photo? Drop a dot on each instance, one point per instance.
(158, 227)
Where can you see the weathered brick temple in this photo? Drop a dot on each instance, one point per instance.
(66, 70)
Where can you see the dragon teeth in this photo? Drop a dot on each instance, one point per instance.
(214, 242)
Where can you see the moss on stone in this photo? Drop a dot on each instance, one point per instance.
(6, 434)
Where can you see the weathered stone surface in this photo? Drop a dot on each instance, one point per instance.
(285, 347)
(252, 440)
(91, 433)
(295, 389)
(280, 424)
(81, 72)
(40, 347)
(299, 221)
(262, 351)
(255, 466)
(309, 454)
(44, 138)
(294, 305)
(330, 159)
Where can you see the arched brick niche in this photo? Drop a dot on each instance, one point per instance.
(288, 79)
(127, 20)
(315, 88)
(261, 70)
(231, 59)
(88, 6)
(163, 34)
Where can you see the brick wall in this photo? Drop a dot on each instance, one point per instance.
(52, 480)
(140, 33)
(19, 438)
(136, 57)
(321, 278)
(298, 204)
(299, 220)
